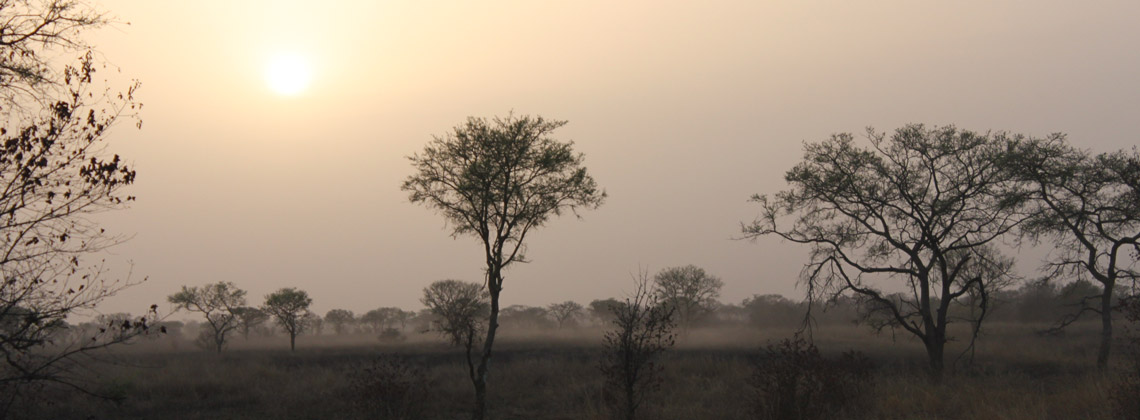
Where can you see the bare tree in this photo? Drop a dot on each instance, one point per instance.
(642, 329)
(919, 208)
(218, 302)
(497, 180)
(290, 307)
(564, 311)
(1089, 208)
(54, 176)
(341, 320)
(690, 289)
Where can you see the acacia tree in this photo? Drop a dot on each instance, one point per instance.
(690, 289)
(290, 307)
(55, 174)
(1089, 207)
(497, 180)
(341, 319)
(459, 308)
(219, 302)
(921, 208)
(249, 318)
(564, 311)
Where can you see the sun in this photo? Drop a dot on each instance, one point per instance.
(288, 74)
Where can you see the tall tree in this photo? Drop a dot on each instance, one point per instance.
(55, 175)
(290, 307)
(497, 180)
(691, 290)
(921, 208)
(1089, 208)
(219, 302)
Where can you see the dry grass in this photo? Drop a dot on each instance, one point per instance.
(554, 375)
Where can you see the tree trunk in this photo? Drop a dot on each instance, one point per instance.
(935, 351)
(1105, 326)
(494, 284)
(292, 342)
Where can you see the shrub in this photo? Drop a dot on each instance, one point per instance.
(1125, 395)
(392, 335)
(792, 381)
(391, 388)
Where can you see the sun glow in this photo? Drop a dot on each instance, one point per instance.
(288, 74)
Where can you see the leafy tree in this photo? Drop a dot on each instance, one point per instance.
(602, 310)
(525, 317)
(497, 180)
(290, 307)
(56, 175)
(382, 318)
(564, 311)
(218, 302)
(922, 208)
(690, 289)
(340, 319)
(458, 308)
(1088, 207)
(249, 318)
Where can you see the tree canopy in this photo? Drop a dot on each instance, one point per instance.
(923, 207)
(497, 180)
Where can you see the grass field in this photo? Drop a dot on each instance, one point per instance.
(1015, 375)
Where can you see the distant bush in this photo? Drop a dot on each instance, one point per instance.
(392, 335)
(391, 388)
(792, 381)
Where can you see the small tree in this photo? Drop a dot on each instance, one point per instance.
(564, 311)
(249, 318)
(218, 302)
(340, 319)
(289, 307)
(602, 310)
(459, 308)
(690, 289)
(642, 330)
(497, 180)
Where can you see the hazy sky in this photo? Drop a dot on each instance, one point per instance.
(683, 110)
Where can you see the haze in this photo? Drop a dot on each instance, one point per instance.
(683, 110)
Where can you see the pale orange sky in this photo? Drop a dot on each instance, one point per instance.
(683, 109)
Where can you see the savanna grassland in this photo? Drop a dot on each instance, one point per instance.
(1015, 374)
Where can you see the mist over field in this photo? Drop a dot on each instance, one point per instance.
(569, 210)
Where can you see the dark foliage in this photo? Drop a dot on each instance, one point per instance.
(794, 382)
(391, 388)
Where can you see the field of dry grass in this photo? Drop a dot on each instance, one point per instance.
(1015, 375)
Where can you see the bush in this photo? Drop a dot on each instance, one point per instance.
(1125, 395)
(792, 381)
(391, 388)
(392, 335)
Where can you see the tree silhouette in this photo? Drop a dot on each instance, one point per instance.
(498, 180)
(54, 177)
(691, 290)
(1089, 207)
(219, 302)
(923, 208)
(290, 307)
